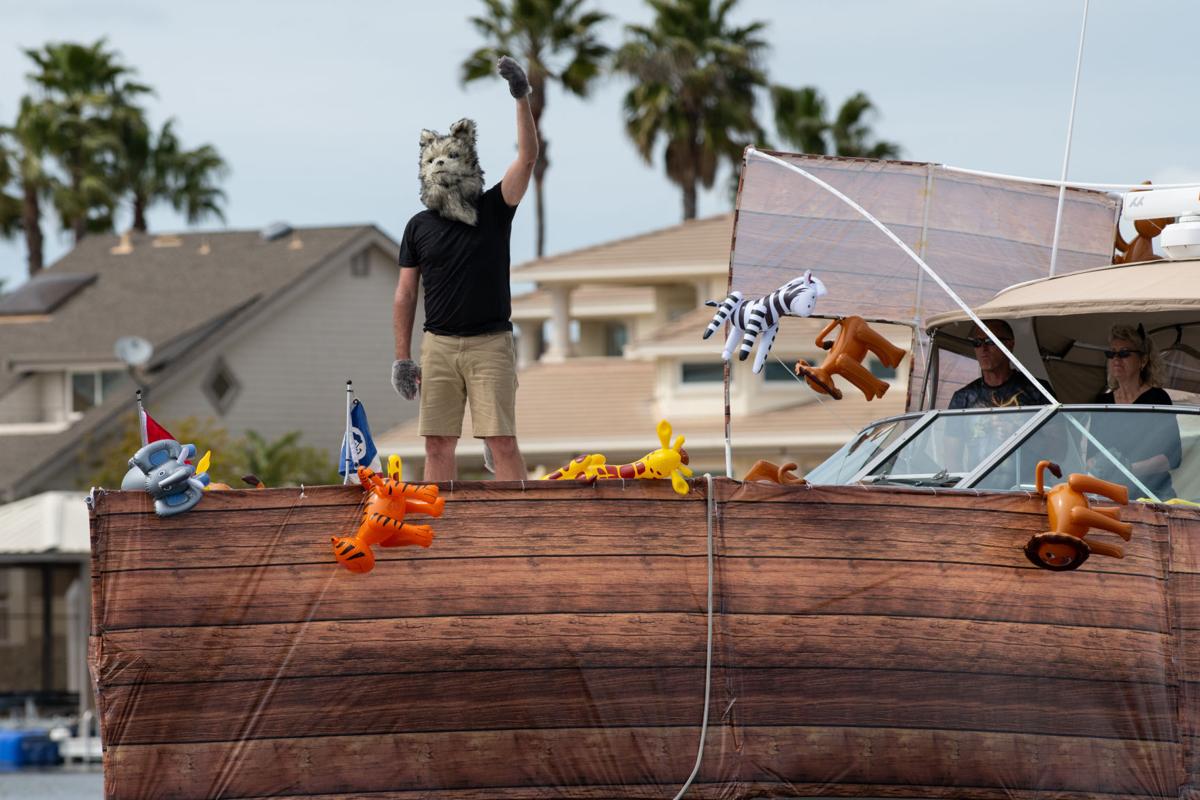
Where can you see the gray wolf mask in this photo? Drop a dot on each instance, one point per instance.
(451, 179)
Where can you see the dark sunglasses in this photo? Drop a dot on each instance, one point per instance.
(981, 342)
(1123, 353)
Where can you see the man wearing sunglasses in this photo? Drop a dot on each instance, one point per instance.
(999, 384)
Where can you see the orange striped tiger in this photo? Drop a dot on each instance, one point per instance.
(388, 500)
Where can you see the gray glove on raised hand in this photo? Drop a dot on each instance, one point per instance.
(518, 84)
(406, 377)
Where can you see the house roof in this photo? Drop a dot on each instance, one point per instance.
(51, 522)
(158, 292)
(608, 405)
(176, 296)
(693, 249)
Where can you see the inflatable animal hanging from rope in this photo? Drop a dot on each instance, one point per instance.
(1072, 517)
(750, 319)
(846, 353)
(669, 461)
(388, 501)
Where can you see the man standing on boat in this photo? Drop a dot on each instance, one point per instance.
(999, 385)
(459, 249)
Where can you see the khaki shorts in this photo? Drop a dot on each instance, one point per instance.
(478, 369)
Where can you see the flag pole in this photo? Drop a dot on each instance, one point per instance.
(349, 440)
(141, 412)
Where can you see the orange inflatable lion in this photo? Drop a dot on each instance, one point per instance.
(1072, 517)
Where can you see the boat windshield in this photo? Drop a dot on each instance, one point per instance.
(841, 467)
(946, 447)
(998, 449)
(1158, 444)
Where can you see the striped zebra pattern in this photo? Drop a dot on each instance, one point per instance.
(731, 304)
(752, 319)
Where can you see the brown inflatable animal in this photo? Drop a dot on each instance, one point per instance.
(1141, 246)
(1071, 518)
(767, 471)
(846, 354)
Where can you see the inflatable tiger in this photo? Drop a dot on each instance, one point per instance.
(388, 501)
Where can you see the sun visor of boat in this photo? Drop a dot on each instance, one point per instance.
(554, 642)
(979, 234)
(1073, 315)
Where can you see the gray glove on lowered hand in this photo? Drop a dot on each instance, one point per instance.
(518, 84)
(406, 377)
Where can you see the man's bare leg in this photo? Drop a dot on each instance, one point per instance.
(510, 464)
(439, 458)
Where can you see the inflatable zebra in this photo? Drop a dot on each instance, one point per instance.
(751, 318)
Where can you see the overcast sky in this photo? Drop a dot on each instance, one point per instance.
(317, 105)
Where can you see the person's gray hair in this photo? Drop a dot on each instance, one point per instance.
(1154, 371)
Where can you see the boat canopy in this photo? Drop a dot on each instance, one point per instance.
(1062, 325)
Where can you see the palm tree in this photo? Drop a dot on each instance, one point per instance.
(86, 96)
(555, 41)
(155, 167)
(10, 204)
(800, 120)
(852, 133)
(191, 182)
(29, 147)
(695, 76)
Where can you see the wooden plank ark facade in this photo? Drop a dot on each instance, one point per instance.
(551, 643)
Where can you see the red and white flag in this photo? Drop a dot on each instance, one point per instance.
(150, 430)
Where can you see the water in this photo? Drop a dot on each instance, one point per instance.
(61, 783)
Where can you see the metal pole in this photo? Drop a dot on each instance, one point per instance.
(1062, 189)
(348, 442)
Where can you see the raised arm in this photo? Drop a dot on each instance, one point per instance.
(516, 177)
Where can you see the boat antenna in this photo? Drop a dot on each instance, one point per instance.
(1062, 188)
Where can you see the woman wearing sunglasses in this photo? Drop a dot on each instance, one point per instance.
(1147, 443)
(1135, 369)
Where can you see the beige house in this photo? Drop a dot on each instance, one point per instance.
(610, 342)
(254, 331)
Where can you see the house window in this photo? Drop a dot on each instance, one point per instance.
(704, 372)
(360, 264)
(615, 338)
(221, 386)
(88, 389)
(880, 371)
(774, 372)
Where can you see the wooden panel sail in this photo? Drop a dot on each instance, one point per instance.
(869, 642)
(980, 234)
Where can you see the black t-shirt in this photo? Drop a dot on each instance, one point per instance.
(464, 267)
(1139, 438)
(1016, 391)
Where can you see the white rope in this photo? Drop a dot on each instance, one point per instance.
(1062, 189)
(1124, 187)
(825, 407)
(709, 502)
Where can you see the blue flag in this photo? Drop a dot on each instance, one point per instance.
(364, 450)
